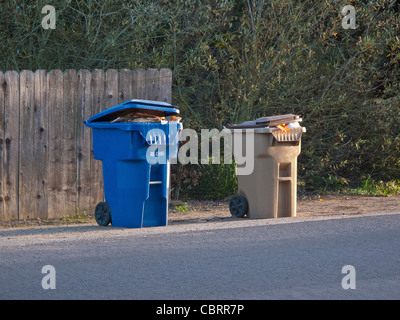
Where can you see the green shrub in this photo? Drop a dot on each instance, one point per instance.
(236, 60)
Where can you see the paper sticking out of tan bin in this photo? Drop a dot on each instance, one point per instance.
(270, 191)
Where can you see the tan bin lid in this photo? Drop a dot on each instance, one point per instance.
(269, 125)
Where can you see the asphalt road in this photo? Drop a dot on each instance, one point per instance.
(288, 258)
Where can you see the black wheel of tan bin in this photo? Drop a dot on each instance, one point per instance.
(238, 206)
(102, 214)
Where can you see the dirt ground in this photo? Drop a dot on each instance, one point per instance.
(204, 211)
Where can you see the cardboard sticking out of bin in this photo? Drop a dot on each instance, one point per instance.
(137, 116)
(138, 111)
(283, 127)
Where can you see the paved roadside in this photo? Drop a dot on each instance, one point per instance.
(91, 231)
(288, 258)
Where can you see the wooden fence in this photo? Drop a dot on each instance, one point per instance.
(47, 168)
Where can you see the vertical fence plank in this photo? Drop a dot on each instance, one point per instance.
(125, 85)
(27, 167)
(98, 102)
(84, 138)
(41, 125)
(2, 94)
(152, 84)
(33, 145)
(56, 197)
(69, 158)
(165, 93)
(139, 84)
(111, 88)
(11, 145)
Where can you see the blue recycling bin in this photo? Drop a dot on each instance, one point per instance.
(136, 163)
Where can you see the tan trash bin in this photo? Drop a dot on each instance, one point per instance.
(270, 191)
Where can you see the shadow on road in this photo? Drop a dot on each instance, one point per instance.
(51, 230)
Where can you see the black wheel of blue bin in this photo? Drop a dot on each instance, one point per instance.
(238, 206)
(102, 214)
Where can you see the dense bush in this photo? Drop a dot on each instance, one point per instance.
(238, 60)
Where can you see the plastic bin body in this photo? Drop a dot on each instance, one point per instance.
(136, 191)
(271, 189)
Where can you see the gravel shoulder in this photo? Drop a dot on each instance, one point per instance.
(184, 217)
(194, 211)
(326, 205)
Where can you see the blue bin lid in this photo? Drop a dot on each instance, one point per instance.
(157, 108)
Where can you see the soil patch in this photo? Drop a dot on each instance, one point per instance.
(203, 211)
(195, 211)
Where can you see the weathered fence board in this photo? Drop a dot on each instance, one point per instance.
(125, 85)
(152, 84)
(68, 139)
(139, 83)
(41, 127)
(2, 94)
(98, 105)
(84, 138)
(111, 87)
(55, 181)
(10, 157)
(27, 146)
(47, 168)
(165, 86)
